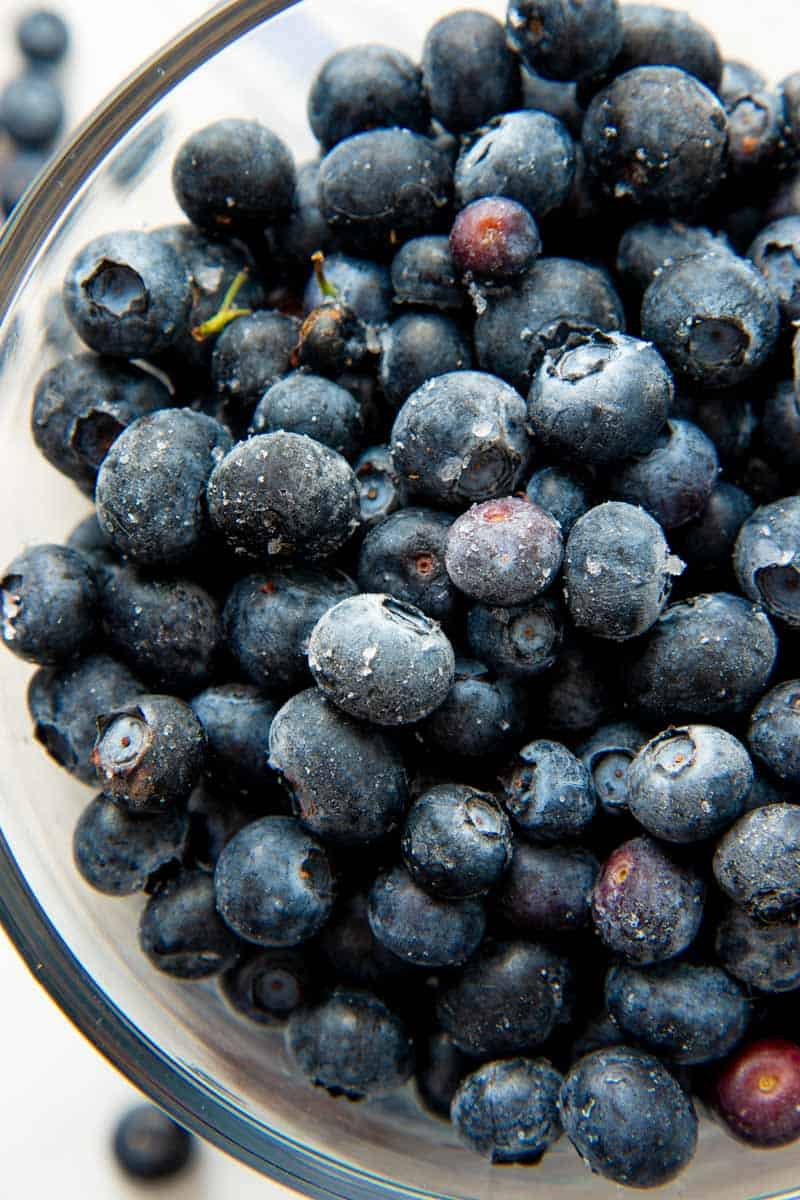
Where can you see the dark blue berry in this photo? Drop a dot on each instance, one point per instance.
(236, 719)
(774, 733)
(563, 41)
(547, 793)
(118, 852)
(213, 821)
(766, 957)
(564, 492)
(508, 1111)
(249, 356)
(48, 604)
(520, 641)
(767, 559)
(42, 36)
(403, 556)
(525, 156)
(649, 247)
(379, 486)
(757, 141)
(361, 285)
(504, 551)
(148, 1145)
(776, 253)
(311, 405)
(469, 73)
(366, 87)
(576, 695)
(481, 715)
(706, 543)
(656, 36)
(547, 892)
(32, 111)
(417, 347)
(268, 985)
(441, 1066)
(456, 841)
(674, 480)
(423, 273)
(557, 97)
(352, 953)
(607, 755)
(780, 425)
(181, 932)
(756, 863)
(426, 930)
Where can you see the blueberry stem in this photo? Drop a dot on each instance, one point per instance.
(226, 312)
(329, 291)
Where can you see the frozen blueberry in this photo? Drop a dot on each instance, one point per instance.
(564, 492)
(273, 883)
(423, 274)
(508, 1111)
(627, 1117)
(656, 138)
(404, 557)
(268, 985)
(82, 404)
(426, 930)
(149, 754)
(556, 97)
(766, 957)
(441, 1066)
(607, 755)
(674, 480)
(65, 703)
(757, 1093)
(346, 780)
(381, 659)
(181, 932)
(417, 347)
(236, 719)
(379, 487)
(308, 404)
(520, 641)
(557, 297)
(118, 852)
(562, 40)
(128, 294)
(599, 1032)
(776, 253)
(351, 1044)
(366, 87)
(646, 907)
(148, 1145)
(780, 424)
(656, 36)
(757, 141)
(756, 862)
(461, 438)
(283, 494)
(648, 247)
(508, 1000)
(214, 818)
(481, 715)
(361, 285)
(249, 356)
(32, 111)
(706, 543)
(767, 559)
(42, 36)
(547, 892)
(547, 793)
(730, 421)
(151, 486)
(774, 733)
(468, 71)
(456, 841)
(504, 551)
(713, 317)
(89, 540)
(48, 604)
(577, 694)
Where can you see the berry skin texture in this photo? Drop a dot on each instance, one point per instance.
(460, 439)
(607, 756)
(118, 853)
(48, 604)
(685, 1013)
(766, 559)
(415, 348)
(362, 286)
(423, 273)
(519, 642)
(149, 754)
(268, 985)
(181, 932)
(314, 406)
(351, 1044)
(774, 733)
(457, 841)
(648, 247)
(561, 40)
(381, 660)
(127, 294)
(468, 71)
(757, 1093)
(366, 87)
(600, 397)
(404, 557)
(656, 138)
(713, 317)
(563, 492)
(441, 1067)
(706, 543)
(504, 551)
(527, 157)
(646, 907)
(508, 1111)
(150, 1146)
(775, 252)
(548, 890)
(283, 494)
(762, 956)
(236, 720)
(780, 423)
(689, 783)
(352, 953)
(674, 481)
(617, 571)
(547, 793)
(756, 862)
(249, 356)
(656, 36)
(627, 1117)
(480, 716)
(346, 780)
(426, 930)
(379, 487)
(233, 173)
(273, 883)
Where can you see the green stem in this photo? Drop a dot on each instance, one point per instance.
(226, 312)
(329, 291)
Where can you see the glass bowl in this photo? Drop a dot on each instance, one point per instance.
(228, 1081)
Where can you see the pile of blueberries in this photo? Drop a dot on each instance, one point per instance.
(435, 641)
(32, 105)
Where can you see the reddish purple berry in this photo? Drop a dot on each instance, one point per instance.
(504, 551)
(494, 239)
(757, 1093)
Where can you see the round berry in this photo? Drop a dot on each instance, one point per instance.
(494, 239)
(504, 551)
(757, 1093)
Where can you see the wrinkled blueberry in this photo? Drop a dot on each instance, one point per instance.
(118, 852)
(504, 551)
(456, 841)
(547, 793)
(508, 1111)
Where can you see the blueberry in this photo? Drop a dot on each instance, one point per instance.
(599, 1033)
(600, 397)
(381, 659)
(524, 156)
(520, 641)
(351, 1044)
(48, 604)
(379, 487)
(350, 950)
(504, 551)
(564, 492)
(249, 356)
(366, 87)
(118, 852)
(423, 273)
(685, 1013)
(780, 424)
(767, 559)
(89, 540)
(304, 231)
(361, 285)
(441, 1066)
(32, 111)
(456, 841)
(645, 906)
(576, 695)
(713, 317)
(150, 753)
(656, 139)
(767, 790)
(707, 542)
(232, 174)
(776, 253)
(236, 719)
(649, 247)
(150, 1146)
(774, 733)
(150, 492)
(346, 781)
(128, 294)
(480, 716)
(556, 97)
(674, 480)
(461, 438)
(273, 883)
(422, 929)
(547, 793)
(213, 821)
(757, 1093)
(16, 176)
(42, 36)
(627, 1117)
(756, 862)
(607, 755)
(167, 630)
(617, 571)
(308, 404)
(333, 339)
(65, 703)
(494, 240)
(403, 556)
(557, 297)
(729, 420)
(83, 404)
(508, 1111)
(181, 932)
(657, 36)
(268, 985)
(564, 41)
(756, 134)
(469, 73)
(766, 957)
(417, 347)
(384, 186)
(548, 889)
(738, 78)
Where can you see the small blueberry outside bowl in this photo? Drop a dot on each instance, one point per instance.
(228, 1081)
